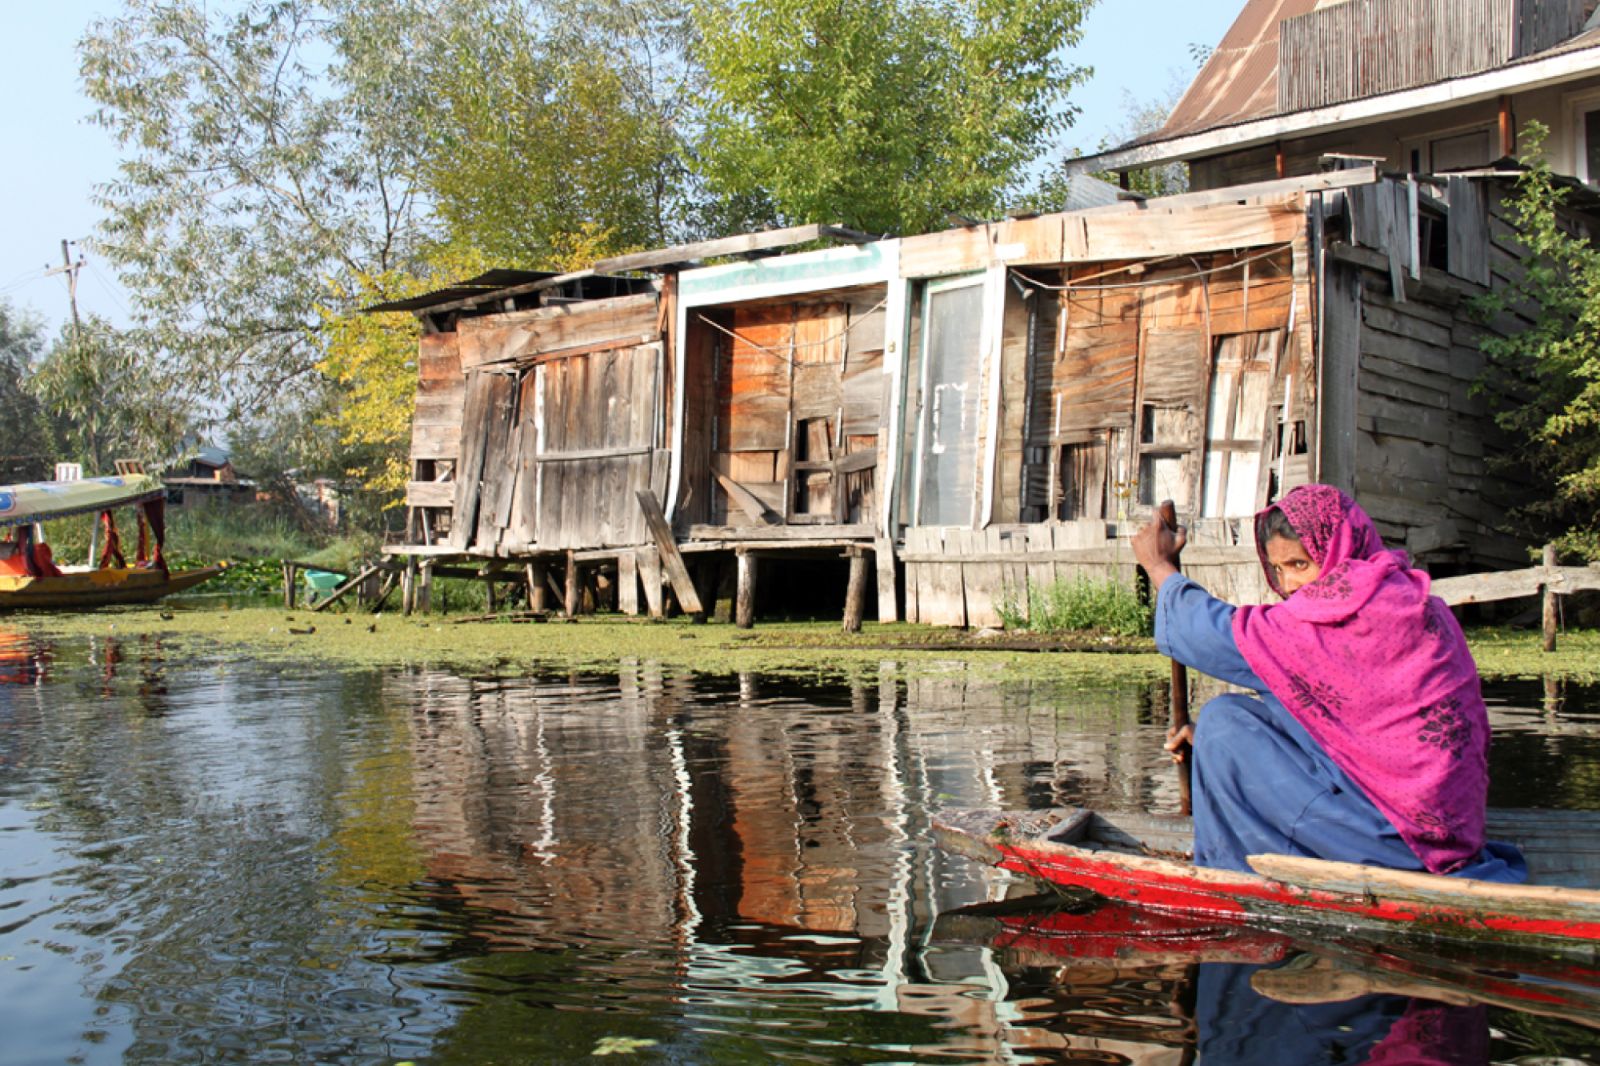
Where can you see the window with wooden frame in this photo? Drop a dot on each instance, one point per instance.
(1237, 409)
(1173, 368)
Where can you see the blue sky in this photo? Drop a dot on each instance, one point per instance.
(57, 158)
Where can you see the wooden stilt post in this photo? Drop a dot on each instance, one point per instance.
(855, 596)
(408, 586)
(488, 593)
(1550, 605)
(650, 577)
(744, 610)
(627, 583)
(671, 558)
(726, 590)
(288, 584)
(425, 587)
(538, 595)
(569, 605)
(888, 601)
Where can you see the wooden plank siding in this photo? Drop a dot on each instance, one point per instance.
(794, 393)
(1363, 48)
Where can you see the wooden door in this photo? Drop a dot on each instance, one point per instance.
(593, 433)
(948, 418)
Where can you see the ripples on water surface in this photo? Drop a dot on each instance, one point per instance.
(207, 858)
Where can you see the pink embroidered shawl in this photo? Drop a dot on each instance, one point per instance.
(1378, 672)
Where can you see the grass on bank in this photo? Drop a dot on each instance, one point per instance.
(1077, 605)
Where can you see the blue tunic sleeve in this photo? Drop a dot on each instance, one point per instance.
(1196, 629)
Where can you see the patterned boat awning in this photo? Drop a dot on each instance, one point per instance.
(41, 501)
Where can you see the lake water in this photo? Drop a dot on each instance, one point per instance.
(204, 858)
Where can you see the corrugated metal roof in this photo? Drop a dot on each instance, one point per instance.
(487, 282)
(1240, 80)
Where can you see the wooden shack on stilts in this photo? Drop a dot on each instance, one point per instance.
(967, 414)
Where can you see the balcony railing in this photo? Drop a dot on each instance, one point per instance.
(1360, 48)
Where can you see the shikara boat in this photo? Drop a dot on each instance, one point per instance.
(1144, 859)
(112, 581)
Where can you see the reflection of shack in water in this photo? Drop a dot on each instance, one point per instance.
(753, 835)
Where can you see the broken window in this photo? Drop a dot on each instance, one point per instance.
(1236, 422)
(1169, 431)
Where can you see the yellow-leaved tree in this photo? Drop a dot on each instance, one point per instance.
(372, 358)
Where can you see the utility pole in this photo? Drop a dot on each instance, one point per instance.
(70, 269)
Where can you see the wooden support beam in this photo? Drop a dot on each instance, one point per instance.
(425, 587)
(628, 583)
(671, 561)
(569, 600)
(488, 594)
(855, 596)
(747, 501)
(538, 595)
(649, 561)
(727, 590)
(888, 600)
(1551, 613)
(736, 245)
(339, 593)
(290, 583)
(408, 586)
(390, 580)
(744, 610)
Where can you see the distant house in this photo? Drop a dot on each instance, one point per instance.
(208, 475)
(1000, 404)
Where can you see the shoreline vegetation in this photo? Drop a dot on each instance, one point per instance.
(811, 649)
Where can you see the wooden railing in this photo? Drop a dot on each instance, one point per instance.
(1360, 48)
(1548, 581)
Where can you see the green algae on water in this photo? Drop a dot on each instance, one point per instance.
(796, 649)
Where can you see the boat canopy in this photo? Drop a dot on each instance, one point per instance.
(42, 501)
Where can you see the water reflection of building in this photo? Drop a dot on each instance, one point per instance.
(765, 838)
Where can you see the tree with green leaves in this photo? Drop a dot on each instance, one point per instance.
(555, 128)
(251, 173)
(99, 402)
(24, 452)
(884, 115)
(1545, 377)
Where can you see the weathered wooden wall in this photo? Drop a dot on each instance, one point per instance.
(435, 426)
(961, 577)
(1176, 370)
(796, 406)
(1421, 441)
(559, 424)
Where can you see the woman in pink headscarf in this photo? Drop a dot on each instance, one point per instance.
(1367, 739)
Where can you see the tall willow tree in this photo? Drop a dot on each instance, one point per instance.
(886, 115)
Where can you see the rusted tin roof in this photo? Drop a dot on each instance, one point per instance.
(1240, 80)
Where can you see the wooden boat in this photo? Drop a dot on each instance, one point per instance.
(112, 582)
(1144, 859)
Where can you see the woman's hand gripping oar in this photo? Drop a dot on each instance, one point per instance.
(1157, 547)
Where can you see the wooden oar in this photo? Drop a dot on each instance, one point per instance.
(1179, 699)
